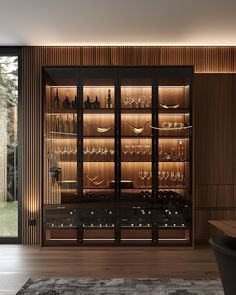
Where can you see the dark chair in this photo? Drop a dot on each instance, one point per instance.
(225, 251)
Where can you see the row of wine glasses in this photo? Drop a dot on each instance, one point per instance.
(100, 150)
(171, 178)
(137, 101)
(64, 150)
(145, 176)
(137, 149)
(169, 125)
(172, 153)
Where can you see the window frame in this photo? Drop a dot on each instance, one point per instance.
(16, 51)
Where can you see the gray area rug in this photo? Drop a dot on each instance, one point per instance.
(92, 286)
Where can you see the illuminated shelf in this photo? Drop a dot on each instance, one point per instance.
(99, 111)
(136, 137)
(68, 160)
(175, 112)
(138, 188)
(136, 111)
(173, 161)
(98, 137)
(97, 188)
(135, 161)
(98, 161)
(174, 137)
(55, 112)
(172, 187)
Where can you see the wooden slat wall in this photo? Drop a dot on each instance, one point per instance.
(213, 134)
(215, 149)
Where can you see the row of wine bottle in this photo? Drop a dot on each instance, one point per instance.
(171, 196)
(66, 103)
(74, 104)
(163, 196)
(64, 126)
(96, 104)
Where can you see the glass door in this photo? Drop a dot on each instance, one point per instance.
(135, 204)
(99, 154)
(174, 161)
(60, 159)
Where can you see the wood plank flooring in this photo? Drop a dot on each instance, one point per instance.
(18, 263)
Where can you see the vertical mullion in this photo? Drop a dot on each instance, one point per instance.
(79, 156)
(80, 141)
(117, 157)
(154, 156)
(190, 159)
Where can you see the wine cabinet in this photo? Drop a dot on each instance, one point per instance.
(117, 156)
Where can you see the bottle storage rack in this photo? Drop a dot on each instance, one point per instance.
(117, 164)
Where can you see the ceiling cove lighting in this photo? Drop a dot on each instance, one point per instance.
(137, 44)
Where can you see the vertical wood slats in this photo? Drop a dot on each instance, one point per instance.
(215, 148)
(204, 59)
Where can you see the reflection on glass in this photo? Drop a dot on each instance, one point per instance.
(8, 146)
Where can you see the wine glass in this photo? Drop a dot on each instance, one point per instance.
(130, 101)
(126, 101)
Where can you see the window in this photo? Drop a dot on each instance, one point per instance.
(9, 189)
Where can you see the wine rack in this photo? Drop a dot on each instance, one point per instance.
(117, 167)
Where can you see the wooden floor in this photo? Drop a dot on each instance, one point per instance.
(18, 263)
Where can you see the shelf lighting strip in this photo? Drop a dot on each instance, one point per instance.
(111, 86)
(172, 86)
(172, 239)
(62, 239)
(136, 239)
(62, 86)
(98, 239)
(114, 239)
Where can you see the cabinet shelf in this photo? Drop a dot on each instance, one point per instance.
(98, 188)
(99, 111)
(136, 111)
(99, 161)
(136, 137)
(163, 138)
(56, 112)
(173, 161)
(135, 161)
(98, 137)
(173, 112)
(173, 187)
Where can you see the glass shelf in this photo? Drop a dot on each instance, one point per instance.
(57, 112)
(136, 111)
(173, 112)
(99, 111)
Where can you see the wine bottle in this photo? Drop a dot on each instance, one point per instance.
(61, 126)
(66, 103)
(109, 101)
(67, 125)
(96, 103)
(56, 100)
(55, 124)
(87, 103)
(74, 103)
(74, 125)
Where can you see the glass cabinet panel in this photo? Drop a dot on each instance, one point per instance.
(174, 176)
(136, 163)
(60, 158)
(60, 145)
